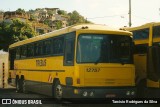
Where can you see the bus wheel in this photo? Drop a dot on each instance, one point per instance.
(58, 91)
(24, 86)
(18, 85)
(141, 89)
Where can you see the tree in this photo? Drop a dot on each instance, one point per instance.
(32, 17)
(19, 10)
(58, 24)
(14, 32)
(75, 18)
(62, 12)
(47, 22)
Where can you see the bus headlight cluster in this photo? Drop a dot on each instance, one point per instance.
(85, 94)
(130, 93)
(91, 94)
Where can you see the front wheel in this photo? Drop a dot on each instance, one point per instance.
(24, 86)
(58, 90)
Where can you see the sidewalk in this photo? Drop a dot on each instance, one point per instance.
(8, 87)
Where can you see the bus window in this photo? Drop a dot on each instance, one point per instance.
(141, 34)
(23, 51)
(94, 48)
(69, 49)
(18, 53)
(140, 49)
(30, 50)
(90, 48)
(38, 49)
(47, 47)
(156, 31)
(58, 45)
(120, 49)
(12, 56)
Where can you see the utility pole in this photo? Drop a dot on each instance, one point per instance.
(130, 23)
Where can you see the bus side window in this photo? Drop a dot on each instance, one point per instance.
(69, 50)
(58, 44)
(140, 49)
(12, 56)
(18, 53)
(30, 50)
(38, 48)
(47, 47)
(23, 52)
(156, 31)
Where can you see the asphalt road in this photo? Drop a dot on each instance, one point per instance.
(11, 93)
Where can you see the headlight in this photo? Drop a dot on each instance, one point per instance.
(128, 93)
(85, 93)
(132, 93)
(91, 94)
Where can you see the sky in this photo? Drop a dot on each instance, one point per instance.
(109, 12)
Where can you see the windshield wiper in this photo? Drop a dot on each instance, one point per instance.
(97, 61)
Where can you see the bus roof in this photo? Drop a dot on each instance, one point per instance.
(144, 26)
(67, 30)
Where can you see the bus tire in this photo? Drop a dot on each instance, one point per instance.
(18, 89)
(141, 89)
(23, 85)
(57, 90)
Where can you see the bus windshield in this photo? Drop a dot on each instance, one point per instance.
(104, 48)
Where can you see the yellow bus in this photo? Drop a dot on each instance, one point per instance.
(80, 61)
(147, 58)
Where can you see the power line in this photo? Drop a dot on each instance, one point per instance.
(107, 16)
(141, 18)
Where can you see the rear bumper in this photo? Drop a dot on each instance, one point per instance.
(153, 92)
(99, 92)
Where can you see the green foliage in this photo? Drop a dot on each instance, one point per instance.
(62, 12)
(14, 32)
(19, 10)
(32, 17)
(50, 12)
(75, 18)
(58, 24)
(47, 22)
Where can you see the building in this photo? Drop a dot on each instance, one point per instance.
(37, 18)
(16, 15)
(41, 28)
(3, 69)
(1, 16)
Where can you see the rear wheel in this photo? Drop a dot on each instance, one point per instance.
(141, 89)
(18, 85)
(57, 90)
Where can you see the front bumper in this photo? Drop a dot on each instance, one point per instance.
(99, 92)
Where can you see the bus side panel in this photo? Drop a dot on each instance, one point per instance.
(140, 66)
